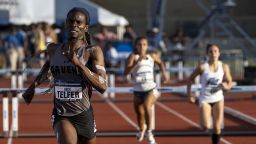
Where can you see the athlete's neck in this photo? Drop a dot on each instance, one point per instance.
(144, 55)
(76, 44)
(213, 62)
(73, 41)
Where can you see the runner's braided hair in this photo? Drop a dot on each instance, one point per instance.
(87, 36)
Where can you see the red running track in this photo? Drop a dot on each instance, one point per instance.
(171, 116)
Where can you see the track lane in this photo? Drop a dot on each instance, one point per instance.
(245, 106)
(231, 124)
(167, 122)
(102, 118)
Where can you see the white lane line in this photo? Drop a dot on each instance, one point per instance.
(172, 111)
(120, 112)
(178, 114)
(10, 135)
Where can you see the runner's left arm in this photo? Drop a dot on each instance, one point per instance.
(96, 76)
(161, 65)
(227, 80)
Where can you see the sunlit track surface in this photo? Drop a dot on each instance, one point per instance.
(246, 106)
(158, 133)
(231, 100)
(231, 124)
(174, 128)
(35, 125)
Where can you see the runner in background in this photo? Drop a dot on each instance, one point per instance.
(214, 78)
(141, 65)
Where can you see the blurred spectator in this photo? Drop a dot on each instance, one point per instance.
(40, 43)
(129, 34)
(179, 39)
(63, 35)
(31, 35)
(103, 36)
(40, 38)
(178, 42)
(15, 49)
(156, 41)
(2, 48)
(50, 34)
(111, 55)
(4, 61)
(22, 37)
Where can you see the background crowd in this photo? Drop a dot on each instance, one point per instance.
(26, 44)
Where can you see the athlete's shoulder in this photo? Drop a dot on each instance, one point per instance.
(92, 47)
(51, 47)
(201, 67)
(202, 64)
(132, 55)
(225, 66)
(153, 55)
(94, 51)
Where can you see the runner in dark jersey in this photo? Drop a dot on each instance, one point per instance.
(76, 67)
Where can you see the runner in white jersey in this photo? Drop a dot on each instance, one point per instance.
(141, 66)
(143, 74)
(214, 78)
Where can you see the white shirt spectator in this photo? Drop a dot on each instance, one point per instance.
(112, 56)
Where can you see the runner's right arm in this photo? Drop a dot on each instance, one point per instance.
(130, 64)
(195, 73)
(30, 92)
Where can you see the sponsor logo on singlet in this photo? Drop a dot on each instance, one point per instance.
(56, 70)
(211, 84)
(212, 81)
(143, 77)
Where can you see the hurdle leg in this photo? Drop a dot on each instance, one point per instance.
(158, 81)
(197, 82)
(112, 84)
(15, 104)
(14, 80)
(180, 72)
(105, 94)
(5, 115)
(24, 66)
(153, 117)
(20, 83)
(167, 66)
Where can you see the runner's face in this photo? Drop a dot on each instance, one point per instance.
(213, 52)
(76, 25)
(142, 46)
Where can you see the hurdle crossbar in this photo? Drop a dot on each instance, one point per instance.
(19, 71)
(157, 133)
(15, 90)
(175, 89)
(240, 115)
(109, 70)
